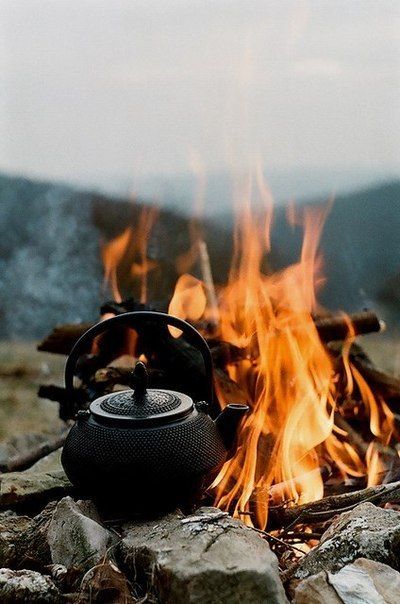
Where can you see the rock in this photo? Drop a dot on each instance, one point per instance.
(26, 586)
(18, 488)
(12, 528)
(76, 538)
(50, 463)
(315, 590)
(365, 532)
(23, 540)
(208, 557)
(34, 550)
(20, 444)
(362, 582)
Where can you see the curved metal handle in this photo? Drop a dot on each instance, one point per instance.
(132, 319)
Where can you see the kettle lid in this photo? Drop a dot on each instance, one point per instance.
(142, 405)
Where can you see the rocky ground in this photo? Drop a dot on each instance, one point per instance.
(22, 368)
(55, 547)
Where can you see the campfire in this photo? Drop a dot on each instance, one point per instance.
(314, 472)
(321, 433)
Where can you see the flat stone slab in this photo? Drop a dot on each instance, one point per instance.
(365, 532)
(25, 487)
(362, 582)
(205, 558)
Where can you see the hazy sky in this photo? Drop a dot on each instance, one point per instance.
(98, 88)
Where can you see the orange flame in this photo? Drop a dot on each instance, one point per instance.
(285, 373)
(129, 249)
(112, 254)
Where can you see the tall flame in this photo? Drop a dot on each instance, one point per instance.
(130, 248)
(283, 372)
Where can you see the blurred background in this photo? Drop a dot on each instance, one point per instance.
(162, 101)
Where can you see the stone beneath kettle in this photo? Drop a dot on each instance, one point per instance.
(76, 537)
(27, 586)
(208, 557)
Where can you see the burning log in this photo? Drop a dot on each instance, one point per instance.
(336, 327)
(331, 328)
(63, 337)
(328, 507)
(108, 377)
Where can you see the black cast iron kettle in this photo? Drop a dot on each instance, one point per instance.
(151, 449)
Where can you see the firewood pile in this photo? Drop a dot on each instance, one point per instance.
(323, 548)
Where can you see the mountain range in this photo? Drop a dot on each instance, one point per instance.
(50, 238)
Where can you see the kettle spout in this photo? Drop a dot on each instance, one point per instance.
(228, 422)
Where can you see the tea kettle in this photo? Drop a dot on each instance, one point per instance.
(149, 448)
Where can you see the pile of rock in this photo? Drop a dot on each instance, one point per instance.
(66, 551)
(54, 548)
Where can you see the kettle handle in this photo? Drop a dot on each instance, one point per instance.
(132, 319)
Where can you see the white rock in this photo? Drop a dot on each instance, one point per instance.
(26, 586)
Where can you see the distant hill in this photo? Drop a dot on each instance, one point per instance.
(50, 269)
(50, 266)
(361, 248)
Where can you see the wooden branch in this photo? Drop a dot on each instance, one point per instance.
(278, 491)
(336, 327)
(20, 462)
(60, 395)
(326, 508)
(107, 377)
(359, 444)
(388, 384)
(331, 328)
(63, 337)
(208, 280)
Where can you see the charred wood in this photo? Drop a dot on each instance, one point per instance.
(328, 507)
(331, 328)
(63, 337)
(337, 327)
(68, 408)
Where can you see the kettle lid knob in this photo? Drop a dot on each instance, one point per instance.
(139, 381)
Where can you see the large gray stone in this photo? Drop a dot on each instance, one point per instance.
(24, 487)
(26, 586)
(206, 558)
(365, 532)
(76, 537)
(362, 582)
